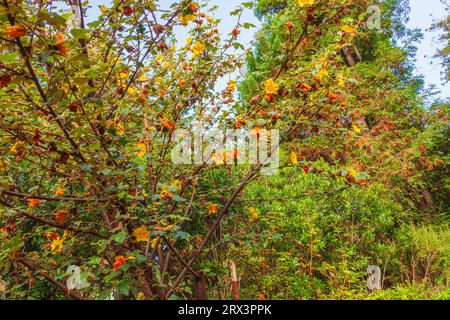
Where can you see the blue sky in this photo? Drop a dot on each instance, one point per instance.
(423, 14)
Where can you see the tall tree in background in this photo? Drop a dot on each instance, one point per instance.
(345, 91)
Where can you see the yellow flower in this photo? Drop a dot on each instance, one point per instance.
(103, 8)
(293, 158)
(132, 91)
(19, 145)
(349, 29)
(143, 78)
(254, 214)
(303, 3)
(341, 81)
(232, 84)
(186, 19)
(177, 184)
(198, 48)
(212, 208)
(321, 74)
(141, 149)
(57, 245)
(356, 128)
(173, 47)
(154, 242)
(141, 296)
(352, 172)
(271, 87)
(123, 75)
(120, 129)
(142, 234)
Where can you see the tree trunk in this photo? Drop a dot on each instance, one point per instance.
(200, 290)
(351, 55)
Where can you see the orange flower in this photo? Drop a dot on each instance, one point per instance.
(305, 88)
(277, 116)
(143, 96)
(306, 168)
(271, 87)
(167, 124)
(62, 49)
(239, 123)
(60, 38)
(332, 97)
(33, 202)
(61, 44)
(166, 195)
(59, 192)
(15, 31)
(361, 182)
(192, 7)
(47, 245)
(198, 239)
(52, 235)
(212, 208)
(61, 216)
(120, 261)
(269, 97)
(304, 42)
(142, 234)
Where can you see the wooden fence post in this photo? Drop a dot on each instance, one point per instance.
(234, 281)
(373, 278)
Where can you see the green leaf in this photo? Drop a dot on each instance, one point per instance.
(86, 166)
(124, 287)
(79, 34)
(94, 260)
(119, 237)
(9, 57)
